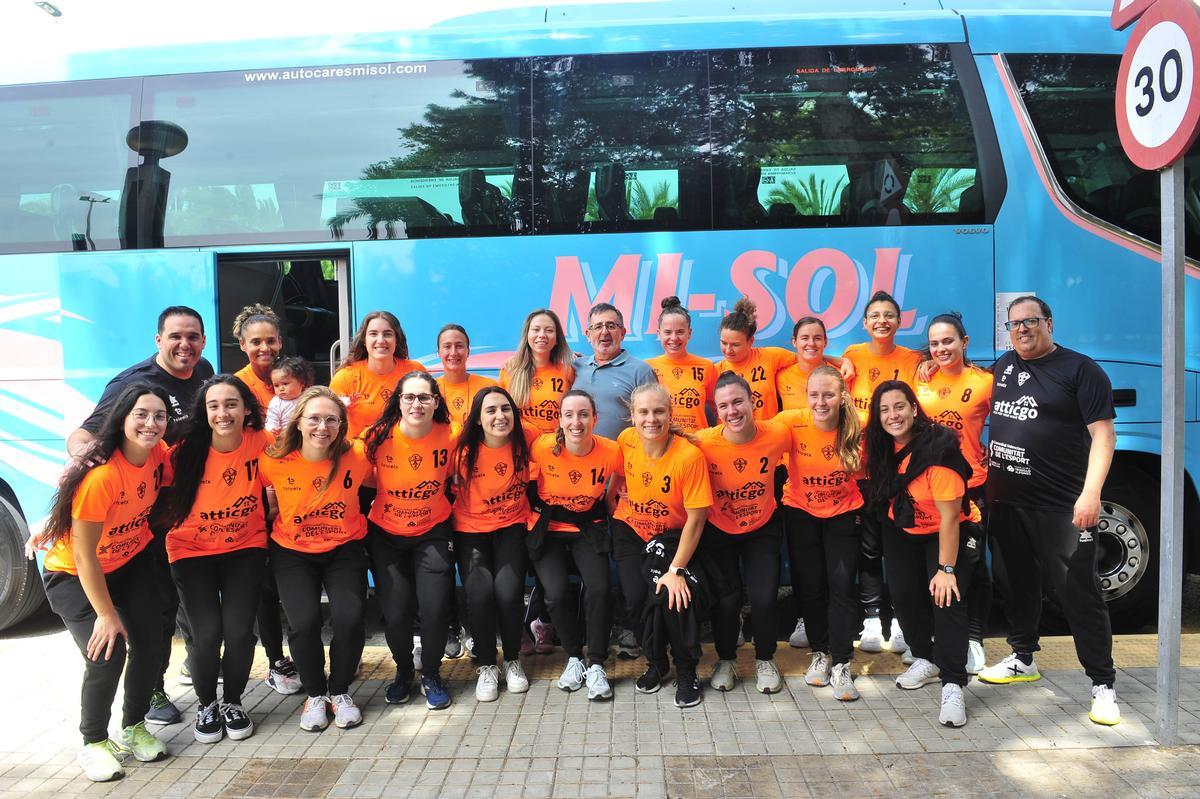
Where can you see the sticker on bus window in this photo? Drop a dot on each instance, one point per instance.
(1003, 298)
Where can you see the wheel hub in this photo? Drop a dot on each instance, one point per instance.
(1124, 551)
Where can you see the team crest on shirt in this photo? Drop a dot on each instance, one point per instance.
(385, 393)
(740, 464)
(647, 478)
(501, 469)
(677, 373)
(414, 461)
(575, 476)
(229, 475)
(537, 383)
(318, 482)
(943, 392)
(827, 452)
(457, 403)
(1021, 378)
(873, 375)
(141, 490)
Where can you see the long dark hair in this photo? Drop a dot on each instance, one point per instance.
(881, 447)
(358, 345)
(190, 455)
(392, 414)
(290, 439)
(466, 451)
(108, 440)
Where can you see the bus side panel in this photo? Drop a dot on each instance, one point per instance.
(489, 285)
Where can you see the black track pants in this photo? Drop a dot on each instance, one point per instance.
(560, 552)
(755, 555)
(492, 566)
(823, 554)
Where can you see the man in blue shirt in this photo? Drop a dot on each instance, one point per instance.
(610, 373)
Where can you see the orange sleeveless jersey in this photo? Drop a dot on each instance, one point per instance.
(760, 371)
(545, 393)
(227, 514)
(817, 482)
(411, 478)
(936, 482)
(963, 406)
(743, 475)
(118, 495)
(870, 371)
(264, 392)
(312, 522)
(496, 495)
(690, 381)
(574, 483)
(459, 396)
(373, 391)
(658, 492)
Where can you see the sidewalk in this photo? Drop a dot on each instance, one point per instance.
(1026, 740)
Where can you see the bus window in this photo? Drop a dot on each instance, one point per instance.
(620, 142)
(841, 136)
(341, 153)
(63, 159)
(1070, 101)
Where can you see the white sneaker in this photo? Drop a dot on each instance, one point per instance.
(741, 639)
(1010, 670)
(908, 657)
(896, 641)
(345, 713)
(315, 716)
(487, 687)
(101, 761)
(597, 683)
(572, 676)
(976, 659)
(514, 677)
(818, 670)
(871, 637)
(769, 681)
(416, 653)
(799, 636)
(920, 673)
(842, 683)
(1104, 706)
(724, 676)
(954, 712)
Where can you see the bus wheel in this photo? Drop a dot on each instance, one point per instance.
(1127, 537)
(21, 591)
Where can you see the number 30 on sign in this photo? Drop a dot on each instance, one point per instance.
(1158, 94)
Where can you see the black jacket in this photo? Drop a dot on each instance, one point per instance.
(936, 446)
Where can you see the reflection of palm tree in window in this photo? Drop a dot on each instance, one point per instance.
(937, 191)
(640, 201)
(813, 197)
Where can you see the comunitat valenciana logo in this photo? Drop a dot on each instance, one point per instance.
(1024, 408)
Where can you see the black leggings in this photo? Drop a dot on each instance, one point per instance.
(492, 566)
(1043, 547)
(300, 576)
(270, 623)
(756, 555)
(134, 589)
(414, 573)
(220, 595)
(171, 612)
(559, 552)
(823, 554)
(872, 589)
(935, 634)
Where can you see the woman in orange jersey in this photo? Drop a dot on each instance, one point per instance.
(744, 533)
(758, 366)
(540, 372)
(378, 358)
(458, 387)
(410, 537)
(217, 547)
(822, 507)
(688, 377)
(100, 575)
(664, 498)
(492, 471)
(931, 538)
(569, 527)
(256, 330)
(313, 474)
(810, 339)
(959, 396)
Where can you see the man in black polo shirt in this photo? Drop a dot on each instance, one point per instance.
(1052, 442)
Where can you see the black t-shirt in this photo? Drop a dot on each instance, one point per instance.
(182, 393)
(1039, 442)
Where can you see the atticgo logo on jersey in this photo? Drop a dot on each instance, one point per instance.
(688, 398)
(653, 509)
(1022, 377)
(950, 418)
(1024, 408)
(243, 506)
(426, 489)
(749, 491)
(546, 410)
(831, 480)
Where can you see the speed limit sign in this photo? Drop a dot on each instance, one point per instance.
(1158, 94)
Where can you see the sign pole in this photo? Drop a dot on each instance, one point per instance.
(1170, 537)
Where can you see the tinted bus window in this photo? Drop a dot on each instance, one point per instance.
(1070, 101)
(354, 152)
(841, 136)
(63, 159)
(620, 143)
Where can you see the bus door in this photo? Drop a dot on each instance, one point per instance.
(308, 291)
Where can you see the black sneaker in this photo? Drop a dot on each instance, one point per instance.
(238, 725)
(210, 728)
(687, 691)
(162, 711)
(650, 681)
(399, 690)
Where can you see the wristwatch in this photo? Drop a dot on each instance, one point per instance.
(679, 570)
(945, 568)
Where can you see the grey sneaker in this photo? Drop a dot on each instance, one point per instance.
(315, 716)
(597, 683)
(976, 659)
(573, 675)
(921, 672)
(896, 640)
(416, 653)
(818, 670)
(769, 681)
(345, 713)
(627, 645)
(454, 645)
(954, 713)
(162, 710)
(842, 683)
(871, 637)
(799, 637)
(724, 675)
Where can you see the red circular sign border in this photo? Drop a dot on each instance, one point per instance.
(1184, 14)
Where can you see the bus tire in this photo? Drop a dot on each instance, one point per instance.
(1127, 537)
(21, 592)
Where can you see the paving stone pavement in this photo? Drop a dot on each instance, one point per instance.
(1027, 740)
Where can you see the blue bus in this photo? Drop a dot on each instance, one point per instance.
(955, 154)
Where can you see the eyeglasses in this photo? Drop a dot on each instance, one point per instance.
(141, 417)
(608, 327)
(877, 315)
(1032, 323)
(416, 399)
(326, 421)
